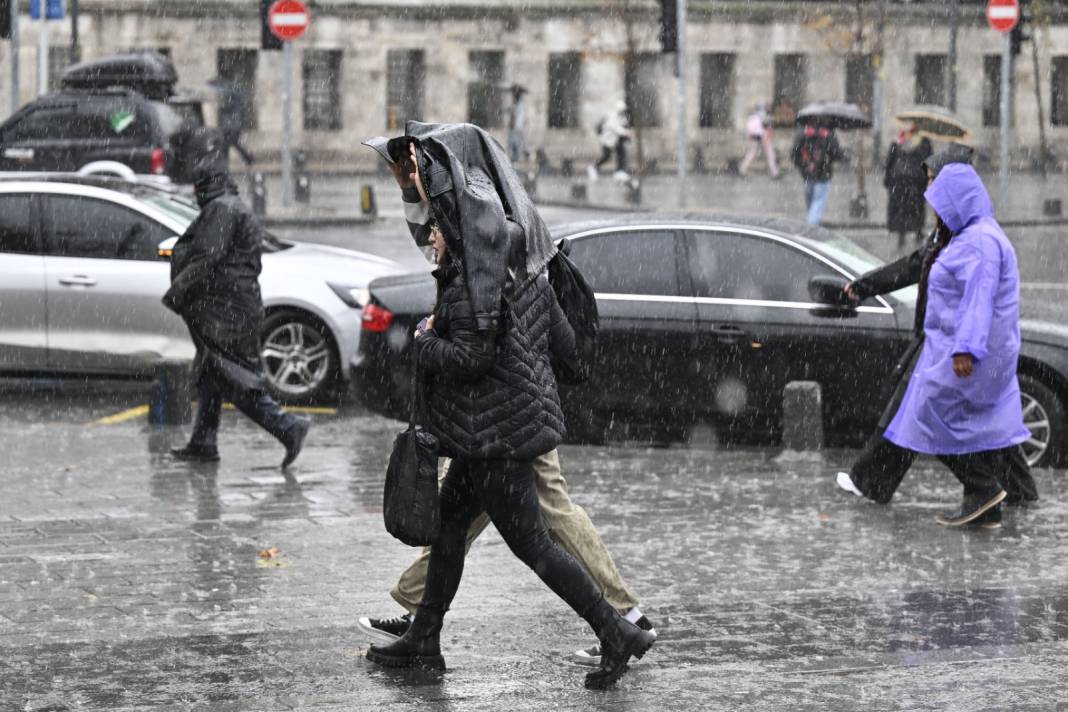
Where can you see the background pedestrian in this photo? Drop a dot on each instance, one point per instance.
(613, 132)
(517, 124)
(231, 115)
(905, 179)
(815, 152)
(758, 135)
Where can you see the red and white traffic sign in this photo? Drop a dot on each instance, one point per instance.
(1003, 14)
(288, 19)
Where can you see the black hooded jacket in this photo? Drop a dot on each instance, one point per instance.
(214, 280)
(477, 198)
(493, 396)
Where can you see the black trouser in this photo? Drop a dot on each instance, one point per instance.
(505, 490)
(213, 387)
(620, 151)
(882, 465)
(233, 140)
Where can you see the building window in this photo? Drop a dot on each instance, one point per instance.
(320, 76)
(991, 89)
(565, 87)
(788, 94)
(1058, 88)
(237, 67)
(717, 91)
(485, 91)
(642, 83)
(930, 79)
(860, 81)
(59, 58)
(405, 78)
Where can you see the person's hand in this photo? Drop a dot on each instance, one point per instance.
(963, 364)
(425, 325)
(401, 173)
(414, 175)
(851, 292)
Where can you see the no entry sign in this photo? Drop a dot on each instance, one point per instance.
(288, 19)
(1003, 14)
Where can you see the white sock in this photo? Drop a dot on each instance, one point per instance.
(633, 615)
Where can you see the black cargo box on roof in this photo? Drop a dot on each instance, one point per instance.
(149, 73)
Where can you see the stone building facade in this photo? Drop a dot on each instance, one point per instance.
(366, 65)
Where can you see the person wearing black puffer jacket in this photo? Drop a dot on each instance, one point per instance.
(492, 402)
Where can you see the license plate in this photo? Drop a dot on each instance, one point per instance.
(19, 154)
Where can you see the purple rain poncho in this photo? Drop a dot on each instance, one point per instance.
(973, 307)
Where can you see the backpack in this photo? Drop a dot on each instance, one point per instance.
(813, 152)
(577, 299)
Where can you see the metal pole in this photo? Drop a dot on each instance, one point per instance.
(1043, 151)
(287, 110)
(1006, 90)
(74, 30)
(954, 25)
(15, 49)
(42, 54)
(879, 60)
(680, 58)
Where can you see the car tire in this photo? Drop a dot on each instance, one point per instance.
(1045, 416)
(299, 357)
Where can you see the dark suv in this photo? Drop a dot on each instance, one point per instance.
(120, 110)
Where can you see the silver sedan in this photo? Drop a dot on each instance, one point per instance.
(84, 263)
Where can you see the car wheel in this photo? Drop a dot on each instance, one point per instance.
(1044, 415)
(299, 357)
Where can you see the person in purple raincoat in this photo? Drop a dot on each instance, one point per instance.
(963, 400)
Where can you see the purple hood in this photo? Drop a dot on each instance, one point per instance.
(959, 197)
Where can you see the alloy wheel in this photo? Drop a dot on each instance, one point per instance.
(296, 358)
(1037, 421)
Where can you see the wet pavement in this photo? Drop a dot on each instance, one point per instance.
(131, 582)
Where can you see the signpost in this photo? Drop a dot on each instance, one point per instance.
(287, 20)
(1002, 15)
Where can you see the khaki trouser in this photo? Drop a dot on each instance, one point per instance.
(568, 525)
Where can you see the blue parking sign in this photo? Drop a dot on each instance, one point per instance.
(54, 9)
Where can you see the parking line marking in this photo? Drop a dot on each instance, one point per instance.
(128, 414)
(142, 410)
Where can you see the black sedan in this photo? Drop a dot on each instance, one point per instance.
(704, 320)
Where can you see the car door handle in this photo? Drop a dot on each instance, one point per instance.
(729, 333)
(77, 280)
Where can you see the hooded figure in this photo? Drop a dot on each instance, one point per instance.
(215, 289)
(478, 199)
(973, 309)
(905, 179)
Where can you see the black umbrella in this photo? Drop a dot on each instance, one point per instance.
(834, 115)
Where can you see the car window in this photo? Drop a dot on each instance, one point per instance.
(39, 124)
(629, 262)
(733, 266)
(16, 228)
(86, 227)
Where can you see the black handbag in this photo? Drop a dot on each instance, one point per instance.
(410, 498)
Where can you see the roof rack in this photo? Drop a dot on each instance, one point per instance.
(149, 73)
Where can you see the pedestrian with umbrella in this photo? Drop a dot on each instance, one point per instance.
(905, 179)
(816, 149)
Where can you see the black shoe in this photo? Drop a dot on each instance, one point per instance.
(385, 630)
(970, 509)
(294, 440)
(991, 519)
(591, 656)
(620, 641)
(417, 648)
(195, 453)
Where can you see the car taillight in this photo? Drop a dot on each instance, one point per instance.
(159, 161)
(376, 318)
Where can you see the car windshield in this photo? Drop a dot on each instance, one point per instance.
(855, 259)
(185, 213)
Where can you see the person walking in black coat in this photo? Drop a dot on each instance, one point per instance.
(905, 179)
(882, 465)
(491, 397)
(215, 289)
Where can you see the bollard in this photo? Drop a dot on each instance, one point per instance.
(368, 205)
(802, 416)
(567, 168)
(1051, 208)
(634, 192)
(301, 179)
(259, 194)
(578, 192)
(171, 402)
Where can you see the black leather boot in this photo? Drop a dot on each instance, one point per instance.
(417, 648)
(621, 640)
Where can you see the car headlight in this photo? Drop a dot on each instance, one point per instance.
(355, 297)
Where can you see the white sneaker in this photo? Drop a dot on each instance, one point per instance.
(621, 176)
(591, 173)
(844, 481)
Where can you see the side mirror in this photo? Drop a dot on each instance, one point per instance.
(165, 249)
(829, 290)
